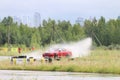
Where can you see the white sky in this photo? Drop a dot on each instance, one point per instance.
(61, 9)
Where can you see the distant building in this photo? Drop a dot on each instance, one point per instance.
(37, 19)
(24, 20)
(119, 17)
(80, 20)
(17, 20)
(0, 19)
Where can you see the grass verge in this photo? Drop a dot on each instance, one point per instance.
(100, 61)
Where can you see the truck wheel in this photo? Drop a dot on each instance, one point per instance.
(67, 55)
(55, 56)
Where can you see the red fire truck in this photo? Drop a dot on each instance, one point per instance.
(57, 53)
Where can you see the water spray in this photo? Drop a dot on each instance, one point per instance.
(79, 48)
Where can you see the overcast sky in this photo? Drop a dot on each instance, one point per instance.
(61, 9)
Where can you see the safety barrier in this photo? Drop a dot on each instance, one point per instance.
(15, 49)
(22, 60)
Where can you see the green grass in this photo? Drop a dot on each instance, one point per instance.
(100, 61)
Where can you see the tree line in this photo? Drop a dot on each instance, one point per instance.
(50, 31)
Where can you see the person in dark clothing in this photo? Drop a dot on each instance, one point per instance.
(50, 60)
(55, 56)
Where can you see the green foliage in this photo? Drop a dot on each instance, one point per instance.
(103, 33)
(35, 39)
